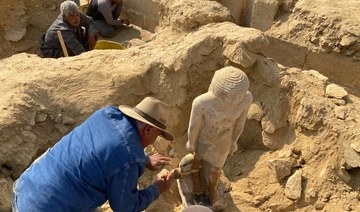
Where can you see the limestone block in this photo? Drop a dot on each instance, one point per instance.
(263, 13)
(293, 186)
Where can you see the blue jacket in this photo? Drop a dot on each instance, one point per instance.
(99, 160)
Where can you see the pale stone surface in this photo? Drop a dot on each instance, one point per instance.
(336, 91)
(15, 35)
(263, 13)
(340, 112)
(67, 119)
(356, 146)
(317, 75)
(352, 158)
(280, 167)
(256, 112)
(293, 186)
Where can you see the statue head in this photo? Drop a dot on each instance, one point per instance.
(229, 83)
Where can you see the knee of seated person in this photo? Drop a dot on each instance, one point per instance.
(108, 33)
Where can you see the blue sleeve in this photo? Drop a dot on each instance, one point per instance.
(124, 194)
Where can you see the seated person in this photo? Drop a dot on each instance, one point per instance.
(105, 14)
(69, 23)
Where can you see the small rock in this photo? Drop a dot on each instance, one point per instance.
(256, 112)
(293, 186)
(66, 119)
(319, 205)
(40, 117)
(336, 91)
(312, 193)
(352, 158)
(347, 40)
(340, 112)
(338, 102)
(62, 128)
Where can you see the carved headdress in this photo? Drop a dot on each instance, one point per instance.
(228, 81)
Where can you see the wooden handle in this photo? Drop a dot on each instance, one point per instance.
(61, 39)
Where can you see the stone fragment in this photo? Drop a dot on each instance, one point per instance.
(336, 91)
(352, 158)
(40, 117)
(66, 119)
(347, 40)
(255, 111)
(312, 193)
(293, 186)
(338, 102)
(319, 205)
(280, 167)
(32, 118)
(340, 112)
(62, 128)
(356, 146)
(316, 74)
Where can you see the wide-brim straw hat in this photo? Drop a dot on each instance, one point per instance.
(151, 111)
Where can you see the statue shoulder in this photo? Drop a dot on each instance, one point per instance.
(204, 99)
(248, 98)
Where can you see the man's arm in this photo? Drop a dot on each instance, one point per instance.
(124, 194)
(105, 8)
(72, 43)
(92, 32)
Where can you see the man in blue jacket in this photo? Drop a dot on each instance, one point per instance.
(99, 160)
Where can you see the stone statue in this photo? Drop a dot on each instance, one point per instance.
(216, 122)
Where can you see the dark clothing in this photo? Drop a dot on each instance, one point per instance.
(102, 159)
(74, 38)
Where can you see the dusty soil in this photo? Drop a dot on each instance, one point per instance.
(300, 147)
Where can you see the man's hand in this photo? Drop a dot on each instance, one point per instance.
(157, 161)
(126, 21)
(165, 180)
(91, 37)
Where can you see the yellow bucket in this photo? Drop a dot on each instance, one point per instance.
(83, 8)
(107, 44)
